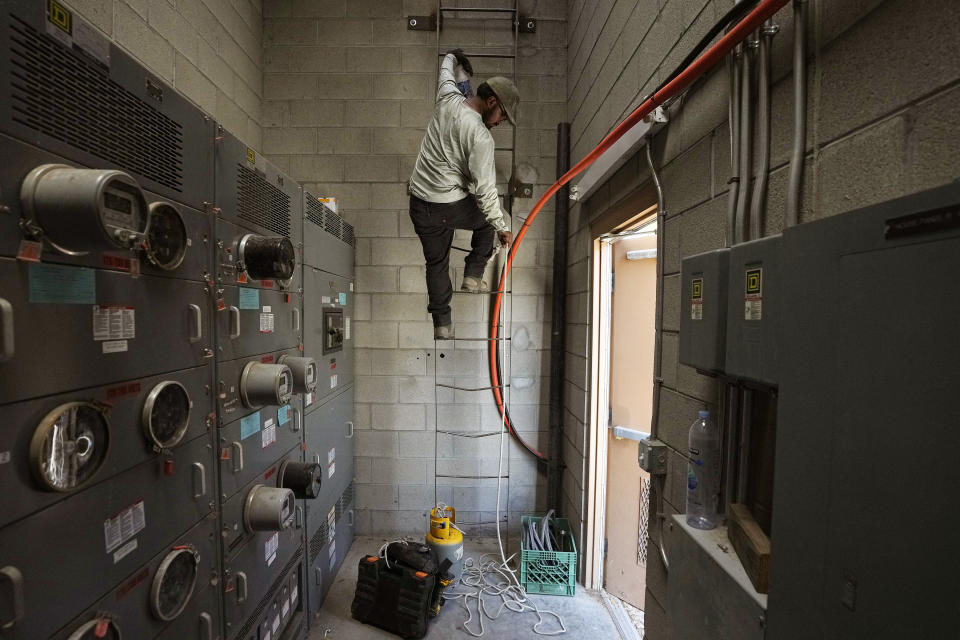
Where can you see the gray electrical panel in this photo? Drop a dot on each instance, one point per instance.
(69, 90)
(108, 519)
(328, 331)
(703, 310)
(329, 240)
(865, 536)
(753, 312)
(153, 370)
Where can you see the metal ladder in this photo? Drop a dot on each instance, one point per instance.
(447, 481)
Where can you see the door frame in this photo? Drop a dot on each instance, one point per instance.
(599, 417)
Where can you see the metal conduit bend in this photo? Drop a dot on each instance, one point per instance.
(799, 112)
(670, 89)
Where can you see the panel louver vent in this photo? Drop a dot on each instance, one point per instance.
(348, 235)
(317, 541)
(261, 203)
(315, 210)
(62, 95)
(332, 225)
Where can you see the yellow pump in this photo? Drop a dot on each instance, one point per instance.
(444, 539)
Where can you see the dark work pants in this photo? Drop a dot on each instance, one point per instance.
(435, 222)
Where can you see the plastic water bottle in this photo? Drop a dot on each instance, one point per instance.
(703, 473)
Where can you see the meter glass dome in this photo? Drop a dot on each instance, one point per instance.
(98, 629)
(166, 236)
(174, 583)
(166, 414)
(69, 446)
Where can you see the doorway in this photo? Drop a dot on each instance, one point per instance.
(625, 288)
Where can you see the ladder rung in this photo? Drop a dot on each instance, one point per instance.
(453, 386)
(469, 434)
(474, 293)
(493, 477)
(469, 339)
(503, 148)
(478, 9)
(506, 56)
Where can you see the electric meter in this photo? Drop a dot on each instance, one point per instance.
(166, 414)
(267, 257)
(268, 509)
(303, 478)
(166, 243)
(83, 210)
(265, 384)
(97, 629)
(304, 372)
(69, 446)
(174, 582)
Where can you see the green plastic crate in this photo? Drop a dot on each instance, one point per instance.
(550, 572)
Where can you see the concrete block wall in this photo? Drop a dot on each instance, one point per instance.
(882, 123)
(348, 93)
(209, 50)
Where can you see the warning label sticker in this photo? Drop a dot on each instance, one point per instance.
(753, 294)
(266, 323)
(293, 596)
(124, 526)
(114, 323)
(696, 299)
(124, 551)
(333, 554)
(269, 434)
(270, 548)
(332, 524)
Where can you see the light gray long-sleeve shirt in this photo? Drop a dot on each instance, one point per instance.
(457, 153)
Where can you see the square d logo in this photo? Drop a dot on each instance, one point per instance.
(60, 17)
(754, 281)
(696, 288)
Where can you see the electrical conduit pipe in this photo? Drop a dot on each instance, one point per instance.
(699, 67)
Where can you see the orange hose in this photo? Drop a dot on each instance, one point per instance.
(700, 66)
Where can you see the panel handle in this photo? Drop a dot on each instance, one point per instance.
(234, 322)
(237, 457)
(296, 318)
(299, 517)
(6, 330)
(197, 334)
(317, 576)
(12, 577)
(349, 429)
(316, 458)
(241, 587)
(206, 625)
(297, 424)
(199, 472)
(350, 517)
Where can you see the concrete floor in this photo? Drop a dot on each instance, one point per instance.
(584, 615)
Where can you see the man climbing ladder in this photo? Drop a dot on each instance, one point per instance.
(453, 185)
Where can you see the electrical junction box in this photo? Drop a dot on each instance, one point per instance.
(869, 364)
(703, 310)
(652, 456)
(753, 312)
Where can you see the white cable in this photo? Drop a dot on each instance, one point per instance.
(477, 574)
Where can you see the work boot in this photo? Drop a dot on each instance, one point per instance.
(474, 285)
(443, 332)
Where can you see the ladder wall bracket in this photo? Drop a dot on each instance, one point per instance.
(421, 23)
(527, 25)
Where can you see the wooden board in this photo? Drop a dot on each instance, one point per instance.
(751, 544)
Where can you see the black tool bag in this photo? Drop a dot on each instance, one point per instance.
(400, 598)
